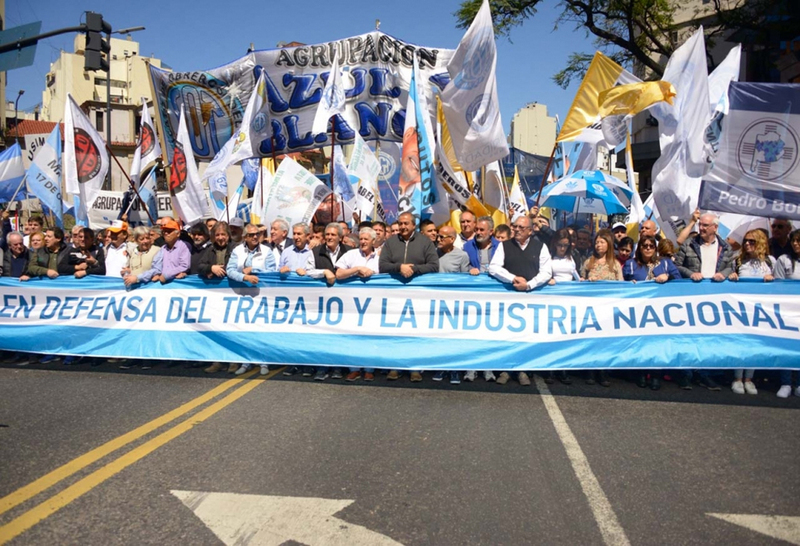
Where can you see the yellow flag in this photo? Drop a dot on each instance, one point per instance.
(603, 73)
(633, 98)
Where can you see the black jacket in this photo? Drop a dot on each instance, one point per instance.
(419, 251)
(322, 256)
(41, 260)
(208, 258)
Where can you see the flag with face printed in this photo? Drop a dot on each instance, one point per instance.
(184, 182)
(86, 158)
(148, 150)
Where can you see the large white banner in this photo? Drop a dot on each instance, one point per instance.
(376, 73)
(434, 321)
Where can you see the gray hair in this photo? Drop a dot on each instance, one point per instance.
(303, 226)
(17, 234)
(338, 227)
(714, 217)
(139, 231)
(487, 219)
(369, 231)
(283, 224)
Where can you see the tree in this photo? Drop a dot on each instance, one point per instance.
(633, 31)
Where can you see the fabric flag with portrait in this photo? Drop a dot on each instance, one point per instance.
(148, 149)
(185, 188)
(86, 159)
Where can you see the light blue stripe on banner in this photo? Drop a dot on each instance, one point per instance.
(656, 352)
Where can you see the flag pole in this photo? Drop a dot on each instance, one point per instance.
(333, 151)
(133, 186)
(375, 200)
(127, 210)
(227, 212)
(546, 172)
(22, 182)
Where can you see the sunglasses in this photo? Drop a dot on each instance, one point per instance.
(749, 242)
(779, 226)
(520, 227)
(164, 231)
(251, 235)
(648, 246)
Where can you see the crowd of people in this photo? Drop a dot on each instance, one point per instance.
(526, 255)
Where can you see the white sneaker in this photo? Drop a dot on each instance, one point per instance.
(264, 370)
(785, 391)
(488, 375)
(750, 387)
(737, 387)
(242, 369)
(470, 375)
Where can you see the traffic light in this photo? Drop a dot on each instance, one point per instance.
(96, 45)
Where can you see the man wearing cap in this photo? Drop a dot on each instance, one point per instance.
(175, 255)
(620, 231)
(117, 251)
(236, 227)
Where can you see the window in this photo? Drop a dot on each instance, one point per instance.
(98, 120)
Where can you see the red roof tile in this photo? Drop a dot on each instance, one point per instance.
(33, 127)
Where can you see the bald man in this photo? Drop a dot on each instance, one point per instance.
(451, 259)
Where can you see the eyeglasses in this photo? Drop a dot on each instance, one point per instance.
(445, 237)
(516, 226)
(251, 235)
(645, 246)
(749, 242)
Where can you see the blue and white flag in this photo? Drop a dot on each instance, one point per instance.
(251, 168)
(44, 174)
(256, 126)
(757, 170)
(470, 99)
(11, 174)
(333, 99)
(342, 185)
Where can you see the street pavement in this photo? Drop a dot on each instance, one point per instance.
(97, 455)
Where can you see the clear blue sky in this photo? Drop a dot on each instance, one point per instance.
(202, 34)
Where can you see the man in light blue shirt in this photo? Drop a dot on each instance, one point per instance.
(298, 258)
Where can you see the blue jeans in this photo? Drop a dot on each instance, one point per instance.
(786, 377)
(366, 370)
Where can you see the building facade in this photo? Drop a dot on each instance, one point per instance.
(532, 130)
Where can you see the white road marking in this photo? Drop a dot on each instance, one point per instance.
(262, 520)
(781, 527)
(612, 531)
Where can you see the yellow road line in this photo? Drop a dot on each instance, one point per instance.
(52, 505)
(48, 480)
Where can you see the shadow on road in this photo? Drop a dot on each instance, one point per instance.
(622, 386)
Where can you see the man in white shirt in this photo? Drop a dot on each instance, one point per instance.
(117, 251)
(523, 262)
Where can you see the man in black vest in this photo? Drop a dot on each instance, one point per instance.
(523, 262)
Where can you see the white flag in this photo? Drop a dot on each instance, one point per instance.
(86, 159)
(256, 125)
(332, 101)
(470, 99)
(294, 195)
(148, 150)
(184, 182)
(363, 163)
(260, 190)
(216, 174)
(682, 126)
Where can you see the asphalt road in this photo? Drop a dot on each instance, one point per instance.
(422, 463)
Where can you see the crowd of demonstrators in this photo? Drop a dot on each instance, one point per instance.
(533, 256)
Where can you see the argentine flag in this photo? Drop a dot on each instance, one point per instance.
(11, 174)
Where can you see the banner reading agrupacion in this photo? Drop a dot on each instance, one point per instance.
(432, 322)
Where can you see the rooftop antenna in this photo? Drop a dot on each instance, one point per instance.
(377, 24)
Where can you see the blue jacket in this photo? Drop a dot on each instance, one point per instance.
(471, 248)
(635, 272)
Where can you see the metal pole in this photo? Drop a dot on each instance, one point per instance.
(16, 121)
(108, 113)
(132, 185)
(333, 150)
